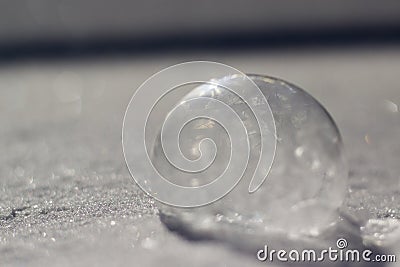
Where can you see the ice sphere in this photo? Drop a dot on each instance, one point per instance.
(308, 179)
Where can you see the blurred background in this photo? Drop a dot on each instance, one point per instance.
(44, 28)
(69, 68)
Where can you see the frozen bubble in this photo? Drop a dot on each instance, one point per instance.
(384, 233)
(381, 232)
(391, 106)
(308, 179)
(19, 171)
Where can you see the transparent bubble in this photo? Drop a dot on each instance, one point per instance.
(308, 179)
